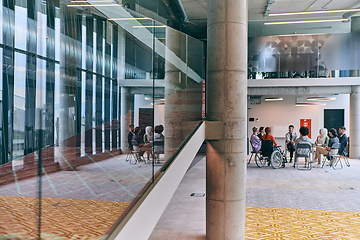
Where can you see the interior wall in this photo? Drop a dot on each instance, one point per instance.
(141, 102)
(279, 115)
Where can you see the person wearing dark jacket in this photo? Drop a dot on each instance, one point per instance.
(343, 140)
(130, 136)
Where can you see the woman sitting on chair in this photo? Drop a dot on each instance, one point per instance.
(327, 150)
(255, 140)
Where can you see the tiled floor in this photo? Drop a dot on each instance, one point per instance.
(281, 204)
(81, 204)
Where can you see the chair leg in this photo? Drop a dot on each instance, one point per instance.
(346, 160)
(250, 158)
(335, 162)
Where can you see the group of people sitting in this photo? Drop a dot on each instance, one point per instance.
(323, 144)
(148, 142)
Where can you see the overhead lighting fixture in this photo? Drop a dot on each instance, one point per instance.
(155, 99)
(85, 1)
(314, 12)
(307, 21)
(150, 26)
(321, 98)
(273, 99)
(309, 104)
(93, 5)
(125, 19)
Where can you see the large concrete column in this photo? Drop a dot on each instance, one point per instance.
(125, 116)
(175, 97)
(354, 143)
(355, 45)
(227, 103)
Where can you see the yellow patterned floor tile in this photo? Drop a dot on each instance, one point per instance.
(286, 223)
(61, 218)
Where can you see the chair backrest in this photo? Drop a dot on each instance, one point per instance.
(158, 143)
(267, 147)
(335, 146)
(134, 142)
(344, 151)
(303, 150)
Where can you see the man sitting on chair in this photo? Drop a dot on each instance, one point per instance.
(303, 139)
(290, 139)
(343, 140)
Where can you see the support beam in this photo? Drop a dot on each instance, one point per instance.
(354, 133)
(227, 104)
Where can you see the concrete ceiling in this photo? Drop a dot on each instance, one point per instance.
(196, 11)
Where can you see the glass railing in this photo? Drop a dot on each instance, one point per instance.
(68, 96)
(304, 74)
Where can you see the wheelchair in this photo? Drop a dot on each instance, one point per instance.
(273, 155)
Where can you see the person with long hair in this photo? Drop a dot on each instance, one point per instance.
(325, 150)
(268, 136)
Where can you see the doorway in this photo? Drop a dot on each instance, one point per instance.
(333, 118)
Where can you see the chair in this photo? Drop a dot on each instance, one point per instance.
(136, 152)
(303, 150)
(259, 160)
(158, 148)
(344, 157)
(333, 158)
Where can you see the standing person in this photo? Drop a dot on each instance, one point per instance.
(268, 136)
(290, 138)
(261, 132)
(343, 140)
(255, 140)
(130, 136)
(327, 150)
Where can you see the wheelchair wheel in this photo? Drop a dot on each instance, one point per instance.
(260, 161)
(276, 159)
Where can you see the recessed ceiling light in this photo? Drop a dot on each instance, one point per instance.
(124, 19)
(321, 98)
(307, 21)
(309, 104)
(273, 99)
(315, 12)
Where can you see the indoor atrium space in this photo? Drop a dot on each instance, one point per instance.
(179, 119)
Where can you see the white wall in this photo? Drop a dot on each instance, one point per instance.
(279, 115)
(140, 102)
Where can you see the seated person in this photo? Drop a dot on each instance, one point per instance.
(130, 136)
(327, 150)
(142, 148)
(268, 142)
(268, 136)
(148, 138)
(323, 139)
(261, 132)
(343, 140)
(158, 138)
(290, 138)
(255, 140)
(303, 139)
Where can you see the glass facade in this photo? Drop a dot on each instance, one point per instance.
(74, 78)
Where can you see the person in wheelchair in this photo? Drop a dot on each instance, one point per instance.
(268, 143)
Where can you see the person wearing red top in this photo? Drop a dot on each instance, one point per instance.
(267, 135)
